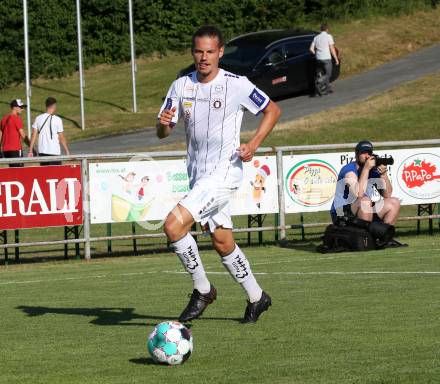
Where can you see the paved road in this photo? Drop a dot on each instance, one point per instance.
(354, 88)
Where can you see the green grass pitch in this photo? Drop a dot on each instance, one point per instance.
(337, 318)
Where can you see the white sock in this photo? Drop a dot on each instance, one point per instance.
(238, 266)
(186, 249)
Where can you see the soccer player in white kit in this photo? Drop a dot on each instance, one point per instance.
(211, 101)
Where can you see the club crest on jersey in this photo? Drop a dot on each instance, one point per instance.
(217, 103)
(257, 98)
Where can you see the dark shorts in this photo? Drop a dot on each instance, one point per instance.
(347, 213)
(49, 162)
(12, 154)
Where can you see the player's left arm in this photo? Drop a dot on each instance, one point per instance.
(271, 115)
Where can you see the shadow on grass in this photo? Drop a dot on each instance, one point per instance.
(143, 361)
(109, 316)
(74, 122)
(53, 90)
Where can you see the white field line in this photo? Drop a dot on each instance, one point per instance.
(323, 273)
(75, 278)
(314, 273)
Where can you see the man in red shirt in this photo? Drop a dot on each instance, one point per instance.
(12, 133)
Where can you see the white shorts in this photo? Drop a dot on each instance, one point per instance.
(209, 203)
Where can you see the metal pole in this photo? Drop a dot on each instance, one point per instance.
(85, 207)
(133, 55)
(80, 61)
(281, 205)
(26, 66)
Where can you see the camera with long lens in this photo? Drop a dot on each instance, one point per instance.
(383, 160)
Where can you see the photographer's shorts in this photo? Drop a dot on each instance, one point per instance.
(209, 203)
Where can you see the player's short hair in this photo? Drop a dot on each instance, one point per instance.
(209, 31)
(324, 27)
(50, 101)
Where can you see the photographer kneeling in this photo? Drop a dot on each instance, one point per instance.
(358, 207)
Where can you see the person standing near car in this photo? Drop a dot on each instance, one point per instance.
(49, 129)
(12, 133)
(323, 47)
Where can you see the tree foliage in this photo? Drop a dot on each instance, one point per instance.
(160, 26)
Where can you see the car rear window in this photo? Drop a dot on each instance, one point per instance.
(297, 48)
(244, 56)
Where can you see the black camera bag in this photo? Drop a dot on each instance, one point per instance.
(346, 238)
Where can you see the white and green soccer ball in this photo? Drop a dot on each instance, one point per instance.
(170, 343)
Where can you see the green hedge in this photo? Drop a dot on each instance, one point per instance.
(159, 25)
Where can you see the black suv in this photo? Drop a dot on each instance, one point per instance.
(277, 61)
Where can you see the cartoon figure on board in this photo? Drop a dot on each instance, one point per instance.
(258, 184)
(143, 187)
(128, 182)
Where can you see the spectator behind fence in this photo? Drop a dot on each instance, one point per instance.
(357, 183)
(49, 129)
(323, 47)
(12, 133)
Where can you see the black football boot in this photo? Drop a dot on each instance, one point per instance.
(254, 310)
(197, 304)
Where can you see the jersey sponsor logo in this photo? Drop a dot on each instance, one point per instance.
(189, 88)
(203, 99)
(257, 98)
(187, 104)
(188, 98)
(231, 75)
(169, 103)
(218, 89)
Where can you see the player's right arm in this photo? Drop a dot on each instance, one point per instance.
(169, 113)
(165, 124)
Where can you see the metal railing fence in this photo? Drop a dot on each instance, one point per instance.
(279, 151)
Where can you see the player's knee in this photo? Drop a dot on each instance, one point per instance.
(223, 248)
(170, 228)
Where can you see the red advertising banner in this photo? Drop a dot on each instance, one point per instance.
(47, 196)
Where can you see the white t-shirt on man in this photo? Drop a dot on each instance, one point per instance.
(212, 114)
(48, 127)
(322, 44)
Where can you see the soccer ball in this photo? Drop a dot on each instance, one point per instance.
(170, 343)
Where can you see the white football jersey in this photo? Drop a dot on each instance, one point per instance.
(212, 114)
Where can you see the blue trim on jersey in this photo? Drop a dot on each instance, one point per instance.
(262, 110)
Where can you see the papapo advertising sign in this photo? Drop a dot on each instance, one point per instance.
(418, 176)
(40, 196)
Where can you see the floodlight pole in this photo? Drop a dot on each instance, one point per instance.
(26, 66)
(80, 61)
(133, 55)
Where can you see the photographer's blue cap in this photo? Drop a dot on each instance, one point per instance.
(364, 146)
